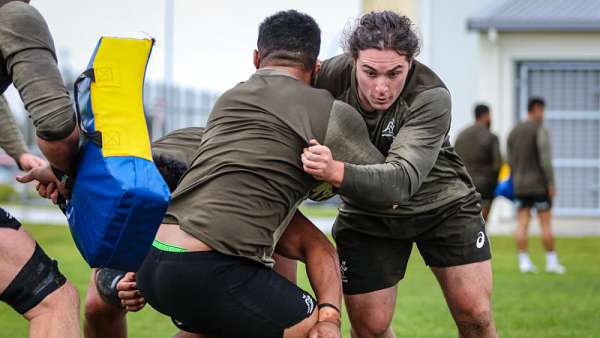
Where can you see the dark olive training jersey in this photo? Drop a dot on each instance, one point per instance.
(11, 139)
(181, 145)
(422, 171)
(246, 180)
(28, 60)
(530, 160)
(480, 150)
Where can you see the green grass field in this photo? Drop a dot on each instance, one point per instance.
(538, 305)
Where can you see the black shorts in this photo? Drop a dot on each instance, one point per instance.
(454, 235)
(8, 221)
(541, 202)
(225, 296)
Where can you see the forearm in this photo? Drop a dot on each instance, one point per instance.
(323, 269)
(36, 77)
(304, 242)
(61, 153)
(378, 184)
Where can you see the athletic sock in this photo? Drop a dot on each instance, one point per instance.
(551, 258)
(524, 258)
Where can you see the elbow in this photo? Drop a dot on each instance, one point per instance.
(57, 126)
(319, 249)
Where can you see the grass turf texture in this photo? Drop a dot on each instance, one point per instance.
(540, 305)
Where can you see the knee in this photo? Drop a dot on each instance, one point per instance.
(478, 316)
(95, 308)
(377, 325)
(69, 296)
(63, 300)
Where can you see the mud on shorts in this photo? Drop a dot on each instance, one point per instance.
(38, 278)
(374, 250)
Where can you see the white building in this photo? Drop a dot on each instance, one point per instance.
(501, 52)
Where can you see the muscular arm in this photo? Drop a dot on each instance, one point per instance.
(12, 140)
(304, 242)
(411, 157)
(28, 50)
(545, 154)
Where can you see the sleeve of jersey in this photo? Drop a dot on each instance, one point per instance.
(544, 151)
(411, 157)
(348, 139)
(28, 49)
(12, 140)
(497, 160)
(335, 75)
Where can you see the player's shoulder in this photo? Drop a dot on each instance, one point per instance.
(424, 82)
(335, 75)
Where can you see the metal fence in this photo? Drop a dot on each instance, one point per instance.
(175, 107)
(572, 94)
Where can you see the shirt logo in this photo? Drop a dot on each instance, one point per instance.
(389, 130)
(310, 305)
(480, 240)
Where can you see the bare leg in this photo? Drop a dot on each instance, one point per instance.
(521, 235)
(102, 319)
(547, 237)
(485, 211)
(468, 291)
(58, 314)
(371, 313)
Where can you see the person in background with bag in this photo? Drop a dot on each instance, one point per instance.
(480, 150)
(530, 160)
(30, 281)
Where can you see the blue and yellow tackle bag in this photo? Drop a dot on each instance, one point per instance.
(118, 198)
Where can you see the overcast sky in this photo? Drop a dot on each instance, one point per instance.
(213, 40)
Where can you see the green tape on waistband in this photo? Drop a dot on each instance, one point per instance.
(167, 247)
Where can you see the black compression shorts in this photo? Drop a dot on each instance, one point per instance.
(8, 221)
(215, 294)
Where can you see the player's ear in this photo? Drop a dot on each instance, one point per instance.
(256, 58)
(317, 67)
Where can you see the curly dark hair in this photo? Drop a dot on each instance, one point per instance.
(383, 30)
(288, 38)
(170, 169)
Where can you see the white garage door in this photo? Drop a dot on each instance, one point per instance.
(572, 94)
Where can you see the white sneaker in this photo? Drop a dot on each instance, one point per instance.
(527, 267)
(556, 268)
